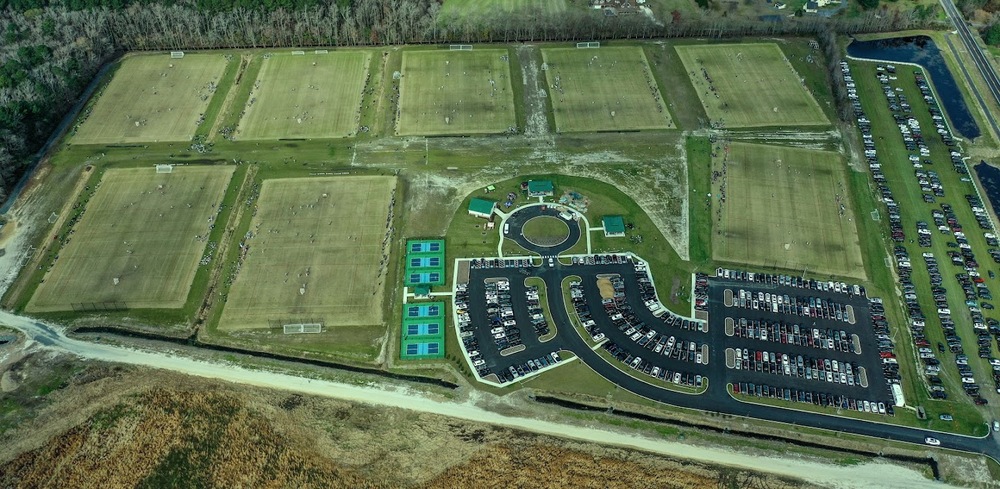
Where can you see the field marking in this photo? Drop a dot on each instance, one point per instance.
(604, 89)
(455, 92)
(306, 96)
(749, 85)
(146, 229)
(317, 250)
(153, 98)
(784, 208)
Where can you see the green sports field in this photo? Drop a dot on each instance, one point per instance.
(306, 96)
(146, 229)
(153, 98)
(455, 92)
(604, 89)
(749, 85)
(317, 253)
(784, 207)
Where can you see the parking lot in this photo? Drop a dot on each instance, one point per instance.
(799, 341)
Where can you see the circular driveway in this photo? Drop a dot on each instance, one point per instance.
(513, 230)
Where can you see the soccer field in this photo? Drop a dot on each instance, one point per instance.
(465, 8)
(749, 85)
(153, 98)
(786, 208)
(455, 92)
(317, 254)
(147, 229)
(306, 96)
(604, 89)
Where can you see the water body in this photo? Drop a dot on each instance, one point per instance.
(990, 178)
(922, 51)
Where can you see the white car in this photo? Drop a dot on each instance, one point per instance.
(996, 426)
(932, 441)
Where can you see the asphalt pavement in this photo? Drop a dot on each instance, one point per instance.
(978, 58)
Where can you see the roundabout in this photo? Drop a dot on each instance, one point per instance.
(543, 229)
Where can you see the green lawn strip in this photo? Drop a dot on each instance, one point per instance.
(389, 103)
(544, 304)
(370, 101)
(219, 97)
(699, 157)
(906, 191)
(814, 72)
(517, 88)
(239, 103)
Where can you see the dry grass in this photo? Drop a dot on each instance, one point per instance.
(146, 229)
(455, 92)
(606, 89)
(755, 85)
(307, 96)
(153, 98)
(318, 251)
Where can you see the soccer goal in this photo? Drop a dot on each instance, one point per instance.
(298, 53)
(460, 47)
(592, 44)
(176, 54)
(321, 51)
(164, 168)
(299, 328)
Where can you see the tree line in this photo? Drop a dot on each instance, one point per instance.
(52, 48)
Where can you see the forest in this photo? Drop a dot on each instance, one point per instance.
(51, 49)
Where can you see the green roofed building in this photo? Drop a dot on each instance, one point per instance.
(614, 226)
(424, 262)
(481, 207)
(423, 331)
(540, 188)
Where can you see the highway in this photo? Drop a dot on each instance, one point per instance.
(978, 57)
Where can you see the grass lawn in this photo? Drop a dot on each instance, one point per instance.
(749, 85)
(475, 8)
(154, 98)
(545, 230)
(455, 92)
(316, 253)
(306, 96)
(606, 89)
(146, 229)
(784, 208)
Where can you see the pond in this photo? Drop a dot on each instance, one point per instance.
(990, 178)
(923, 51)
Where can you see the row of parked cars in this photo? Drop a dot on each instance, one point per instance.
(515, 372)
(791, 281)
(467, 331)
(538, 320)
(647, 367)
(793, 334)
(500, 313)
(814, 397)
(811, 307)
(801, 366)
(478, 263)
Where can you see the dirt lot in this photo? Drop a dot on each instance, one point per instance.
(113, 427)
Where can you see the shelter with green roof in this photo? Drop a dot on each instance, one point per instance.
(614, 226)
(422, 335)
(540, 188)
(481, 207)
(424, 262)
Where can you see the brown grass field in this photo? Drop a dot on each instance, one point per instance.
(306, 96)
(755, 85)
(786, 208)
(153, 98)
(450, 92)
(149, 230)
(606, 89)
(316, 252)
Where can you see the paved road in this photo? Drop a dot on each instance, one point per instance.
(521, 216)
(978, 57)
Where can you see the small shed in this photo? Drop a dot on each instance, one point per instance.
(540, 188)
(482, 207)
(614, 226)
(422, 291)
